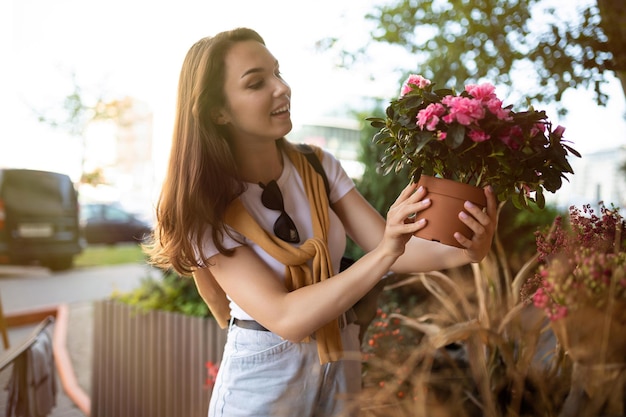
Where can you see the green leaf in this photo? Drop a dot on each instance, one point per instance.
(540, 198)
(456, 135)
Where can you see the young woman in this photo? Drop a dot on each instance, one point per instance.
(244, 213)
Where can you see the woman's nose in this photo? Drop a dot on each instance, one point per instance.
(282, 88)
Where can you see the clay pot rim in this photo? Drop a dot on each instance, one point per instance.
(462, 191)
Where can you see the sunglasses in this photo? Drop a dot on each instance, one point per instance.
(284, 227)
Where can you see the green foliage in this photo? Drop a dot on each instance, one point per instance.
(380, 190)
(101, 255)
(457, 41)
(170, 293)
(517, 228)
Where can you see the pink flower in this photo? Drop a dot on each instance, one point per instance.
(429, 116)
(212, 369)
(478, 135)
(413, 80)
(536, 129)
(495, 107)
(513, 138)
(510, 142)
(558, 132)
(482, 92)
(463, 109)
(540, 298)
(558, 312)
(470, 136)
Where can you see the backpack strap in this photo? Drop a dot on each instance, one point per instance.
(308, 151)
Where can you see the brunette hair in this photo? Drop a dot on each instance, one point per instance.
(202, 177)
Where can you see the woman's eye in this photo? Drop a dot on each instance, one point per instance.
(256, 85)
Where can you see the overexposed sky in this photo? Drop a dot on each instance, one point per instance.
(136, 47)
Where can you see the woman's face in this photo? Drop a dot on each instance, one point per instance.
(257, 98)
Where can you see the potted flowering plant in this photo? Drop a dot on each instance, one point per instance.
(473, 139)
(581, 286)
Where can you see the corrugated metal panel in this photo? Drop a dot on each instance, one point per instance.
(151, 364)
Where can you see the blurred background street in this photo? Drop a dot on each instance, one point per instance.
(27, 289)
(89, 91)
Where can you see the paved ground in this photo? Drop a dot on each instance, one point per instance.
(77, 289)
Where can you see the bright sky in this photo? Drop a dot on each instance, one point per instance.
(136, 47)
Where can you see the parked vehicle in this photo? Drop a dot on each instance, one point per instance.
(110, 223)
(39, 218)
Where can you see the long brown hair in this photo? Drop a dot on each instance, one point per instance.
(202, 177)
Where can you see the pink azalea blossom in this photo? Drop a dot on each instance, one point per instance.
(537, 129)
(495, 107)
(513, 138)
(416, 80)
(558, 132)
(429, 117)
(517, 131)
(463, 109)
(482, 92)
(471, 137)
(510, 142)
(478, 135)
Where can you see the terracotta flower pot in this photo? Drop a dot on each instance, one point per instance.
(447, 198)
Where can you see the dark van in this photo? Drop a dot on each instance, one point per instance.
(39, 219)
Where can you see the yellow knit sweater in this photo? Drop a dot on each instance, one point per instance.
(297, 272)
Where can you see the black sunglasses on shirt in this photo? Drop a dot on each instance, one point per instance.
(284, 227)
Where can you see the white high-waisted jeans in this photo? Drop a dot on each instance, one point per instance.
(263, 375)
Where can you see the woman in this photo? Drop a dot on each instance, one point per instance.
(242, 211)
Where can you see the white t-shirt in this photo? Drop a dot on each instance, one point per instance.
(297, 206)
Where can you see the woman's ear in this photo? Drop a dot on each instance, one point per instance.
(219, 117)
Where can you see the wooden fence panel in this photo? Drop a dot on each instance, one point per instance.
(151, 364)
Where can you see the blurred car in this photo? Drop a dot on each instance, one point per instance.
(39, 218)
(110, 224)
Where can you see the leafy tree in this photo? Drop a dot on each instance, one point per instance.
(77, 112)
(454, 42)
(613, 23)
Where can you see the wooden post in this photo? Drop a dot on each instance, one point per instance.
(3, 327)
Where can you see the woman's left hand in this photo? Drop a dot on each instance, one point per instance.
(482, 223)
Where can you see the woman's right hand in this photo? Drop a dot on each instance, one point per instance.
(403, 220)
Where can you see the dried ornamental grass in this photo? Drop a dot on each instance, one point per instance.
(480, 353)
